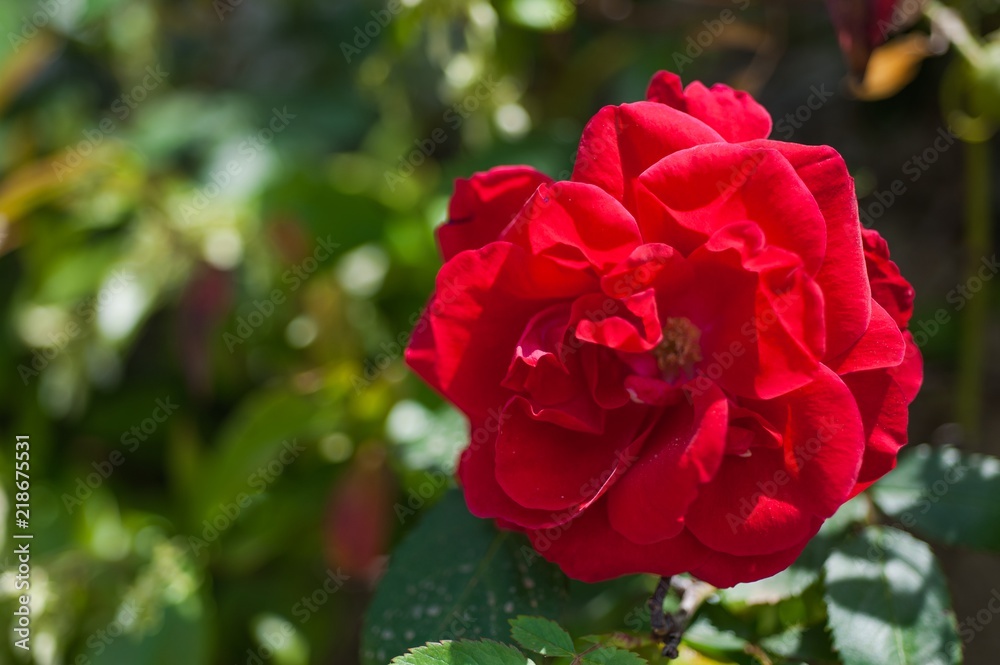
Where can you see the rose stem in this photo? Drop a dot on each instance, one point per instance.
(978, 240)
(668, 629)
(972, 352)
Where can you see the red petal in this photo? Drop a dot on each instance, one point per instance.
(775, 498)
(483, 205)
(590, 550)
(547, 372)
(725, 570)
(630, 325)
(759, 314)
(842, 277)
(883, 396)
(882, 345)
(576, 225)
(546, 467)
(483, 495)
(465, 340)
(703, 189)
(621, 142)
(734, 114)
(682, 452)
(889, 288)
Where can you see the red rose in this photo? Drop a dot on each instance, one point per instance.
(684, 358)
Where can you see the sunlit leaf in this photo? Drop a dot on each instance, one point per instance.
(481, 652)
(888, 602)
(945, 495)
(541, 635)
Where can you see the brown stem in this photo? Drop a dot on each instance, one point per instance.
(668, 629)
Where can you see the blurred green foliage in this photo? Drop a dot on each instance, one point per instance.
(215, 234)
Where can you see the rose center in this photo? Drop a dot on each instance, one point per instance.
(679, 350)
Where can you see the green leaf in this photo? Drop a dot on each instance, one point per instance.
(944, 495)
(802, 574)
(483, 652)
(810, 644)
(787, 584)
(705, 636)
(611, 656)
(251, 443)
(541, 636)
(456, 576)
(888, 602)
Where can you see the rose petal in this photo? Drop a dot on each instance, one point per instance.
(882, 345)
(698, 191)
(576, 225)
(774, 499)
(630, 325)
(465, 339)
(545, 467)
(842, 277)
(889, 288)
(607, 554)
(484, 496)
(725, 570)
(483, 205)
(682, 453)
(620, 142)
(734, 114)
(883, 396)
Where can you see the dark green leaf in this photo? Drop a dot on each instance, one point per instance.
(541, 636)
(456, 576)
(945, 495)
(888, 603)
(249, 448)
(483, 652)
(611, 656)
